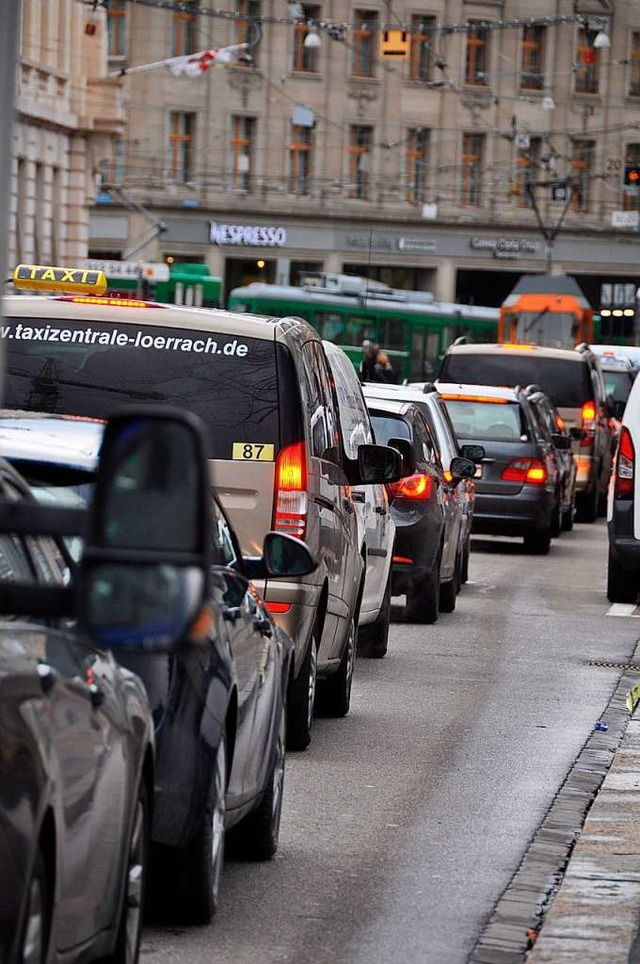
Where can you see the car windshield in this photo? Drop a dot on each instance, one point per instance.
(566, 381)
(91, 368)
(488, 420)
(617, 384)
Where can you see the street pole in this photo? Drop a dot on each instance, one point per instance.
(549, 232)
(8, 54)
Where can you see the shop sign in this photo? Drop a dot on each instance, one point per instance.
(367, 242)
(419, 245)
(131, 270)
(625, 219)
(506, 247)
(255, 236)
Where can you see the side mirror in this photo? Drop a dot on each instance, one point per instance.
(375, 464)
(144, 575)
(285, 556)
(577, 434)
(405, 448)
(462, 468)
(561, 442)
(475, 453)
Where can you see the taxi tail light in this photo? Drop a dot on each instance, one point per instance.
(588, 423)
(531, 471)
(417, 486)
(291, 499)
(625, 459)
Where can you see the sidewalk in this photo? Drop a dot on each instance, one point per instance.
(595, 916)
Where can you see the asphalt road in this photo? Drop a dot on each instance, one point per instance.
(404, 822)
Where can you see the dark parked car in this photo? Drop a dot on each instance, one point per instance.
(551, 426)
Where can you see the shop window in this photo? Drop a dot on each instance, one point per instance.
(634, 65)
(181, 138)
(241, 146)
(532, 69)
(421, 59)
(587, 67)
(306, 59)
(527, 169)
(472, 163)
(116, 28)
(631, 196)
(184, 31)
(417, 145)
(582, 169)
(360, 142)
(300, 159)
(246, 32)
(364, 39)
(477, 54)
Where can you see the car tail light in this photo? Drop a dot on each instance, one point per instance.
(625, 458)
(532, 471)
(277, 609)
(588, 422)
(290, 502)
(417, 486)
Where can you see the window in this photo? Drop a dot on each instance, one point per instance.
(631, 197)
(182, 147)
(532, 69)
(477, 44)
(112, 167)
(246, 32)
(472, 160)
(300, 159)
(305, 59)
(363, 52)
(241, 152)
(321, 416)
(417, 143)
(223, 549)
(360, 140)
(116, 28)
(634, 65)
(586, 68)
(527, 167)
(581, 165)
(184, 31)
(422, 57)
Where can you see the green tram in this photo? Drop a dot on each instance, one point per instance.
(410, 327)
(187, 284)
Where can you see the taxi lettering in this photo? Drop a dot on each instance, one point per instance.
(68, 280)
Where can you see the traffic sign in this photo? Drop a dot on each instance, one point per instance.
(625, 219)
(394, 44)
(131, 270)
(632, 175)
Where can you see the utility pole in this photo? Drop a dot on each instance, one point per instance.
(8, 53)
(550, 232)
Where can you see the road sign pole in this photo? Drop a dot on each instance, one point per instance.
(8, 52)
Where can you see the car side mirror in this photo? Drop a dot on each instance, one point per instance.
(474, 452)
(462, 468)
(376, 464)
(405, 448)
(286, 556)
(577, 434)
(561, 442)
(144, 575)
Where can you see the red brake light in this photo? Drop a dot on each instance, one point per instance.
(417, 486)
(532, 471)
(276, 608)
(290, 503)
(588, 423)
(625, 459)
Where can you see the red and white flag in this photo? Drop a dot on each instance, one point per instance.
(191, 65)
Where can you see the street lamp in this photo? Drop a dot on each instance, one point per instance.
(602, 38)
(312, 40)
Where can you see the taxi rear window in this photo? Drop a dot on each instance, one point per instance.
(91, 368)
(488, 420)
(567, 382)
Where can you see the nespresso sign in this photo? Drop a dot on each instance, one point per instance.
(253, 236)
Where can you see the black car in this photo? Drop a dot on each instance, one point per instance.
(76, 776)
(518, 483)
(418, 504)
(551, 426)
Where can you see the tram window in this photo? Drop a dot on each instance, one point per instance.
(330, 326)
(357, 329)
(393, 334)
(417, 361)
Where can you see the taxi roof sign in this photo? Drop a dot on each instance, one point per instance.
(71, 281)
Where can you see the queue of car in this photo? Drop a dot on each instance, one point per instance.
(252, 573)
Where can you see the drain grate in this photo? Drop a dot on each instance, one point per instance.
(606, 664)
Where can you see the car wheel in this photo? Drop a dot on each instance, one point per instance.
(129, 932)
(464, 568)
(622, 585)
(448, 594)
(587, 506)
(538, 542)
(373, 638)
(423, 598)
(35, 931)
(335, 693)
(301, 700)
(256, 837)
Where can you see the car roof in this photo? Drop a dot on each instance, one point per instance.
(408, 393)
(390, 406)
(478, 391)
(569, 354)
(53, 439)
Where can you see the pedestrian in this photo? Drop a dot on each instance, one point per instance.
(384, 369)
(368, 371)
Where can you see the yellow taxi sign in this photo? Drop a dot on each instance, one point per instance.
(71, 281)
(395, 44)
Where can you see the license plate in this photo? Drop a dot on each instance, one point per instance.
(478, 472)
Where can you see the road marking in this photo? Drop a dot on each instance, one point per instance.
(624, 609)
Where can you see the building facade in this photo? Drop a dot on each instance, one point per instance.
(67, 113)
(447, 171)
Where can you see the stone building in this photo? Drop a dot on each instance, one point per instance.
(424, 172)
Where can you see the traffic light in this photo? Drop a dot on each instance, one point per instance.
(632, 175)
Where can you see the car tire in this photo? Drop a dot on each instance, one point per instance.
(448, 594)
(37, 919)
(464, 568)
(538, 542)
(256, 836)
(423, 598)
(622, 585)
(129, 930)
(587, 506)
(301, 699)
(335, 693)
(373, 638)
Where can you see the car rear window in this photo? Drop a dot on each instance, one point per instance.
(617, 384)
(567, 382)
(91, 368)
(488, 420)
(389, 426)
